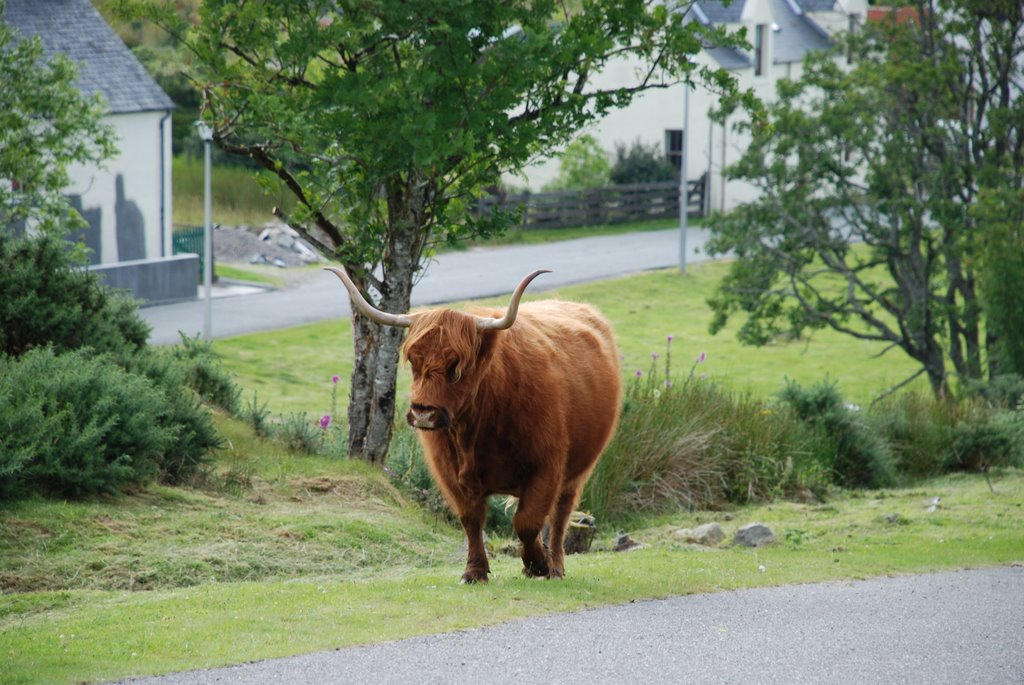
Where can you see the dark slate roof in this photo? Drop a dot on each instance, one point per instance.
(106, 65)
(817, 5)
(794, 34)
(727, 58)
(718, 13)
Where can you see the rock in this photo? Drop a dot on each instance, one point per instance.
(754, 535)
(708, 534)
(624, 543)
(893, 517)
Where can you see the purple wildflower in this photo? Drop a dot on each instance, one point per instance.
(654, 356)
(702, 357)
(703, 376)
(335, 379)
(639, 373)
(325, 421)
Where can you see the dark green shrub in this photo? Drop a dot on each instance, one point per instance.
(183, 414)
(856, 453)
(984, 439)
(76, 424)
(48, 298)
(206, 376)
(639, 163)
(918, 430)
(1006, 390)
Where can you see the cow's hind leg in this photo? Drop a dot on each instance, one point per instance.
(473, 516)
(534, 506)
(559, 522)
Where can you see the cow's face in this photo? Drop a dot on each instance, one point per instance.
(446, 353)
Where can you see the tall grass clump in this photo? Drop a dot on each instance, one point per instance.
(696, 445)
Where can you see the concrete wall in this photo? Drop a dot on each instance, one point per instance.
(155, 281)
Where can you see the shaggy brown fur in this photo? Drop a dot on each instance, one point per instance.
(525, 411)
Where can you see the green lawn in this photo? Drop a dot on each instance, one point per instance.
(81, 635)
(645, 310)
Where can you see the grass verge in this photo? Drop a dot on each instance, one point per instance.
(74, 635)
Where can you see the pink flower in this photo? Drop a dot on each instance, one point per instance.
(702, 357)
(654, 356)
(703, 376)
(335, 379)
(639, 373)
(325, 421)
(670, 338)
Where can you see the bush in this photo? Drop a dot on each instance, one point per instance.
(583, 165)
(47, 298)
(984, 439)
(918, 430)
(189, 421)
(640, 163)
(857, 454)
(76, 425)
(206, 376)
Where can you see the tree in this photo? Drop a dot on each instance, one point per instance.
(584, 164)
(869, 219)
(640, 163)
(387, 119)
(46, 124)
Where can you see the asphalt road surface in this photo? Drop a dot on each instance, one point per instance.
(452, 276)
(955, 627)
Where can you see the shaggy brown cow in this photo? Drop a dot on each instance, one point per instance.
(523, 410)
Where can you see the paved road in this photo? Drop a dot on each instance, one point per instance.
(453, 276)
(958, 627)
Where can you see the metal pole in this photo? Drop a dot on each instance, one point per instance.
(207, 244)
(684, 184)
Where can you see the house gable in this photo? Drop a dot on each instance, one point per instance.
(106, 65)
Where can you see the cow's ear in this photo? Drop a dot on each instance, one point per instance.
(486, 346)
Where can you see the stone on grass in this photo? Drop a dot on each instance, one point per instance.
(754, 535)
(578, 536)
(708, 534)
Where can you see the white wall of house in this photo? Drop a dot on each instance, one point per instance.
(127, 199)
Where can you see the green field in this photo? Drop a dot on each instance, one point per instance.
(645, 310)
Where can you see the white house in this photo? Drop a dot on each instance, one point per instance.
(781, 33)
(127, 200)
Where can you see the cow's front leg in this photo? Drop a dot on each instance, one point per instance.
(473, 517)
(534, 507)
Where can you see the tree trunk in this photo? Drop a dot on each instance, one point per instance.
(372, 403)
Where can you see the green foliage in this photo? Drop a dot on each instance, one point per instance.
(584, 164)
(983, 439)
(918, 429)
(1000, 212)
(47, 298)
(183, 413)
(207, 376)
(300, 433)
(640, 163)
(889, 204)
(46, 125)
(76, 425)
(851, 449)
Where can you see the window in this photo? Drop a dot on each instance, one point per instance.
(759, 48)
(851, 31)
(674, 147)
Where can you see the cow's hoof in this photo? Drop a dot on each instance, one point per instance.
(473, 577)
(535, 570)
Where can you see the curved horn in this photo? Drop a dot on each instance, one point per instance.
(364, 307)
(485, 324)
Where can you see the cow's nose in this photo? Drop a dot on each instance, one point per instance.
(428, 418)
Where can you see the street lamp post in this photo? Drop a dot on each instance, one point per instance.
(684, 183)
(206, 135)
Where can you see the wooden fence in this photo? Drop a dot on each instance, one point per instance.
(601, 206)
